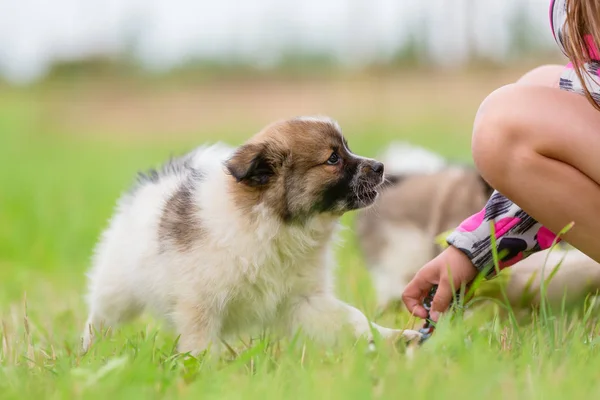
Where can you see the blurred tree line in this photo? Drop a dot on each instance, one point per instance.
(414, 52)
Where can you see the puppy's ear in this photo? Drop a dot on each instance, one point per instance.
(252, 164)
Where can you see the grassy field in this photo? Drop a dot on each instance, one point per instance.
(60, 173)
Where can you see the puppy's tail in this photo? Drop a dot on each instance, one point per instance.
(404, 159)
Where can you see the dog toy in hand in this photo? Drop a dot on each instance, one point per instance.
(427, 330)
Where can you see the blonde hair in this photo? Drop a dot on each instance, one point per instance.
(583, 24)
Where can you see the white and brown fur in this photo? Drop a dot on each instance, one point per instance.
(224, 241)
(426, 196)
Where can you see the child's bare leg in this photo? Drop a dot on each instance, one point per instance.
(540, 147)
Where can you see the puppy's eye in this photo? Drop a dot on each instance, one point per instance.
(333, 159)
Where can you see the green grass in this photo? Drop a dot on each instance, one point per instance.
(56, 193)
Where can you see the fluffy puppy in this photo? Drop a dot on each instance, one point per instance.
(226, 241)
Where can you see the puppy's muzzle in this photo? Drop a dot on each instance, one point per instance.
(372, 171)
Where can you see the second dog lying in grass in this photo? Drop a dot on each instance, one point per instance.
(426, 196)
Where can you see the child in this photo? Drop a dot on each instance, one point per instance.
(537, 142)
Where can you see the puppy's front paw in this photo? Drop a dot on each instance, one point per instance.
(411, 335)
(408, 335)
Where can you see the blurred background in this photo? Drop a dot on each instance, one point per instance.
(40, 39)
(156, 67)
(93, 90)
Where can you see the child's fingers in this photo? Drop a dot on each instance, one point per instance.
(442, 299)
(413, 296)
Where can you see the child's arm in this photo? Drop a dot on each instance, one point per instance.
(517, 235)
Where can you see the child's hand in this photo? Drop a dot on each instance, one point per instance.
(451, 261)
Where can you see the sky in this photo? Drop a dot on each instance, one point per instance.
(165, 33)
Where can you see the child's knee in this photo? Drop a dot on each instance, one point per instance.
(497, 135)
(492, 132)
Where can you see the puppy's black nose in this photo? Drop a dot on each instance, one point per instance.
(377, 167)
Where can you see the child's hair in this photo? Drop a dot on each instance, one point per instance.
(582, 38)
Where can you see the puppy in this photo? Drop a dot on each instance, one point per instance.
(426, 196)
(226, 241)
